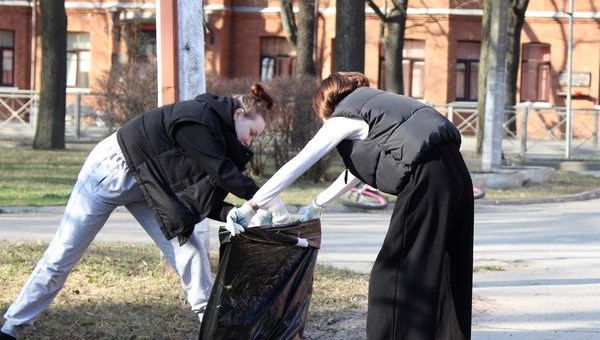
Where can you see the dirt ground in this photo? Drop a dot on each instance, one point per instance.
(351, 324)
(341, 325)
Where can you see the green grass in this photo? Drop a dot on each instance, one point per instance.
(34, 177)
(44, 178)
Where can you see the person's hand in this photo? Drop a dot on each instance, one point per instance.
(238, 218)
(310, 212)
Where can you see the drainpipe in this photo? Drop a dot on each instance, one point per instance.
(33, 45)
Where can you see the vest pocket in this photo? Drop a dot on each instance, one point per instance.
(392, 174)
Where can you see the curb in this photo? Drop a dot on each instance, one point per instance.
(582, 196)
(339, 208)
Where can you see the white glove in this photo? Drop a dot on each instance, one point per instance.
(238, 218)
(279, 211)
(310, 212)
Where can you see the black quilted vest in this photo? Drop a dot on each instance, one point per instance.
(401, 131)
(175, 186)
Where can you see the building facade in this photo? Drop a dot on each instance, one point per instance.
(245, 38)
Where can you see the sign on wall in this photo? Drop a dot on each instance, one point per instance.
(578, 79)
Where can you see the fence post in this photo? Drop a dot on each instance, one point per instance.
(523, 130)
(77, 115)
(34, 110)
(595, 128)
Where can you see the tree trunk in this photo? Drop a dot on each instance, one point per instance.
(394, 43)
(482, 75)
(305, 64)
(349, 45)
(288, 21)
(516, 19)
(302, 36)
(50, 131)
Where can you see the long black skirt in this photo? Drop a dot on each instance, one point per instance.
(421, 282)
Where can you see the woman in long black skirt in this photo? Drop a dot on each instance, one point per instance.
(421, 283)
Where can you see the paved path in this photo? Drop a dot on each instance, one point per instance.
(548, 289)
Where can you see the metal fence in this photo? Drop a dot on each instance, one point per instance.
(529, 128)
(17, 106)
(84, 120)
(535, 128)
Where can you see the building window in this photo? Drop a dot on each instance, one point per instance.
(276, 58)
(413, 68)
(78, 59)
(8, 58)
(535, 73)
(467, 70)
(146, 45)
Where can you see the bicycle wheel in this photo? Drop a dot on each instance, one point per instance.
(478, 193)
(363, 200)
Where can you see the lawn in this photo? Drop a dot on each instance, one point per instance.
(126, 291)
(44, 178)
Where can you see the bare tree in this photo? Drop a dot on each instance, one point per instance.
(515, 25)
(349, 45)
(516, 19)
(306, 39)
(50, 131)
(288, 21)
(301, 36)
(126, 91)
(486, 20)
(394, 22)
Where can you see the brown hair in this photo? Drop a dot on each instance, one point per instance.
(335, 88)
(257, 102)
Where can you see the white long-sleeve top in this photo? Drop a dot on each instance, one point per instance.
(333, 131)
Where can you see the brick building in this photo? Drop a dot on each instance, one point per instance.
(245, 38)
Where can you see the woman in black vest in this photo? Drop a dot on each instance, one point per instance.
(421, 282)
(171, 167)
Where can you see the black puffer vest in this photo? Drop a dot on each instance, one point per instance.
(176, 187)
(401, 131)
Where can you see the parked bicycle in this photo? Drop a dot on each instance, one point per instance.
(478, 193)
(364, 196)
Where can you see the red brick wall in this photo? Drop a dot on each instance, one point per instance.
(18, 20)
(233, 44)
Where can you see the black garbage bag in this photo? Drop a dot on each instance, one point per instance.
(263, 287)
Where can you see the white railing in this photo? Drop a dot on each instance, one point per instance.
(18, 110)
(528, 127)
(18, 106)
(531, 127)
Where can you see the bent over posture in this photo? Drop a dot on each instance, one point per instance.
(171, 167)
(421, 282)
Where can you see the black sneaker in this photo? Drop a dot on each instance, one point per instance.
(4, 336)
